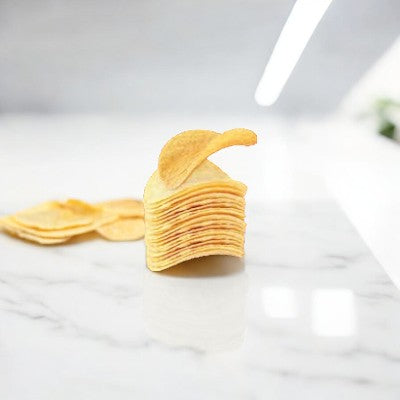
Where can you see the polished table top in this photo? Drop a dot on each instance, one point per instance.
(309, 313)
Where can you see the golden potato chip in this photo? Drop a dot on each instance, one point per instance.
(193, 208)
(194, 215)
(154, 241)
(203, 197)
(31, 237)
(80, 207)
(42, 240)
(55, 215)
(204, 193)
(157, 267)
(124, 207)
(152, 238)
(164, 252)
(158, 233)
(194, 249)
(209, 250)
(169, 205)
(185, 151)
(201, 203)
(161, 234)
(202, 237)
(56, 222)
(206, 176)
(123, 229)
(191, 213)
(101, 219)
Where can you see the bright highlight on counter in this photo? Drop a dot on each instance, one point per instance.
(294, 37)
(333, 312)
(279, 302)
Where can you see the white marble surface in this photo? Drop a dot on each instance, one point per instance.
(308, 313)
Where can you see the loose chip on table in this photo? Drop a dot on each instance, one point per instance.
(56, 222)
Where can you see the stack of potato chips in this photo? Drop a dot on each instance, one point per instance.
(56, 222)
(192, 207)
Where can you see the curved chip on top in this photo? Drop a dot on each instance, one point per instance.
(55, 215)
(123, 207)
(185, 151)
(207, 175)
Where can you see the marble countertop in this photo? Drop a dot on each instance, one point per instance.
(308, 313)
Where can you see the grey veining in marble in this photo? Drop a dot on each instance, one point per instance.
(308, 314)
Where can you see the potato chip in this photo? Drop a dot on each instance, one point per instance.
(196, 248)
(207, 176)
(159, 236)
(193, 246)
(169, 205)
(42, 240)
(123, 207)
(204, 214)
(185, 151)
(55, 222)
(162, 234)
(192, 217)
(55, 215)
(31, 237)
(207, 250)
(191, 230)
(197, 202)
(123, 229)
(184, 242)
(101, 219)
(192, 211)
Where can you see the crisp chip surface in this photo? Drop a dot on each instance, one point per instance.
(187, 150)
(124, 207)
(123, 229)
(204, 214)
(161, 232)
(32, 237)
(55, 222)
(209, 250)
(206, 177)
(189, 239)
(56, 215)
(101, 219)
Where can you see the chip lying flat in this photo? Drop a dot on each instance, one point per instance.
(192, 207)
(101, 219)
(56, 222)
(56, 215)
(123, 229)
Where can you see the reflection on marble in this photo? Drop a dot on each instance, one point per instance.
(309, 315)
(279, 302)
(199, 304)
(333, 312)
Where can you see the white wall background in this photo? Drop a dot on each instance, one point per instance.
(182, 56)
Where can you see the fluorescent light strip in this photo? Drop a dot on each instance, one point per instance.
(294, 37)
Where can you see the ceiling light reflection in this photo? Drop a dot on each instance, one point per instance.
(294, 37)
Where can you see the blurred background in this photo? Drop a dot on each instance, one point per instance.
(191, 56)
(91, 90)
